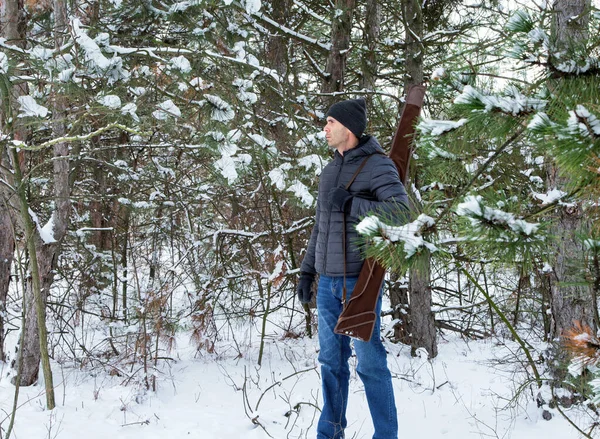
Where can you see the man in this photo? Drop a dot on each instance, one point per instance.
(378, 189)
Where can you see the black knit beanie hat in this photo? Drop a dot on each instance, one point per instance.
(352, 114)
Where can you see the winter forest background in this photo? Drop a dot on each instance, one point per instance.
(158, 171)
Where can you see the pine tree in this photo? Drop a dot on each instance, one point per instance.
(525, 242)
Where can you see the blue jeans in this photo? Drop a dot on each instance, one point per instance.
(372, 368)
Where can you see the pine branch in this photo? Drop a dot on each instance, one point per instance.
(322, 74)
(324, 48)
(265, 70)
(79, 138)
(581, 342)
(480, 171)
(554, 204)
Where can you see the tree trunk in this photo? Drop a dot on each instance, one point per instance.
(7, 251)
(571, 298)
(340, 43)
(566, 29)
(400, 309)
(34, 345)
(46, 254)
(96, 278)
(413, 22)
(422, 318)
(276, 55)
(11, 14)
(12, 20)
(370, 39)
(419, 286)
(276, 46)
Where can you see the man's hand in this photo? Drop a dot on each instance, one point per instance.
(340, 199)
(304, 289)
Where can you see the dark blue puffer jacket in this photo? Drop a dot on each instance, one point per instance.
(377, 189)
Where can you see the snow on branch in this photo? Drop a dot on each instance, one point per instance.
(410, 235)
(474, 209)
(550, 197)
(167, 109)
(221, 110)
(279, 174)
(240, 233)
(585, 65)
(437, 127)
(226, 166)
(46, 232)
(270, 72)
(315, 65)
(80, 138)
(541, 123)
(181, 7)
(148, 51)
(301, 191)
(252, 6)
(293, 33)
(431, 129)
(96, 61)
(252, 236)
(312, 161)
(4, 45)
(592, 244)
(230, 160)
(30, 108)
(299, 225)
(261, 141)
(584, 123)
(439, 34)
(312, 13)
(513, 102)
(581, 124)
(520, 21)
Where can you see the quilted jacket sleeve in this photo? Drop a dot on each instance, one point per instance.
(390, 198)
(308, 263)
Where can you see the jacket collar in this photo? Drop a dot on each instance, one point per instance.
(367, 145)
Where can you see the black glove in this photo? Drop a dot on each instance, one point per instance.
(340, 199)
(304, 289)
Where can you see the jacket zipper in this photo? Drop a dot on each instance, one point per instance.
(337, 182)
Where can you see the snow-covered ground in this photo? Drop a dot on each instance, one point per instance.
(465, 392)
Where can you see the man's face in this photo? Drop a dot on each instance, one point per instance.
(336, 133)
